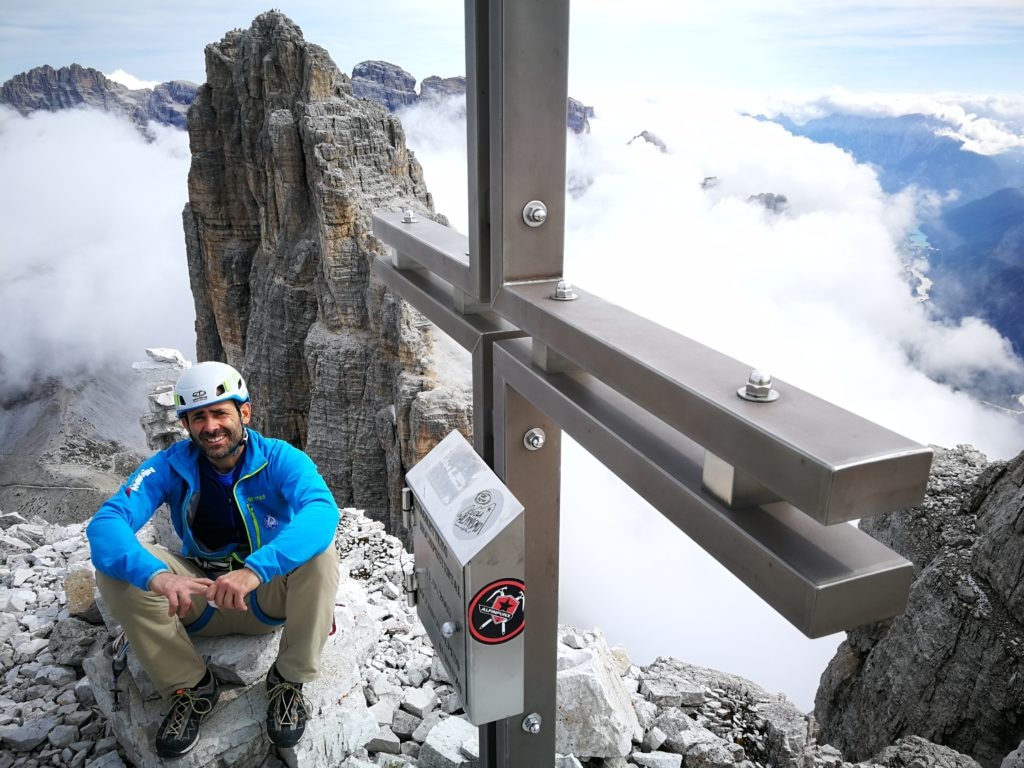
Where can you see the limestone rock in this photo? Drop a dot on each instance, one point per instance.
(394, 88)
(160, 373)
(379, 654)
(49, 89)
(578, 116)
(595, 716)
(1015, 759)
(80, 589)
(443, 747)
(287, 168)
(385, 83)
(916, 751)
(436, 88)
(951, 668)
(26, 737)
(71, 639)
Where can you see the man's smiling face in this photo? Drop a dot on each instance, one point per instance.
(218, 430)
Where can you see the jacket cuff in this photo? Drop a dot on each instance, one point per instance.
(153, 575)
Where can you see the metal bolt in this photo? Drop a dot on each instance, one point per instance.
(535, 213)
(449, 628)
(564, 291)
(758, 388)
(531, 723)
(410, 217)
(534, 439)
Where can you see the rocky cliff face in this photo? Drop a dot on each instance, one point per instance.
(950, 669)
(384, 83)
(287, 167)
(46, 88)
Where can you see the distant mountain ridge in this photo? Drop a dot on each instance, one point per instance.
(392, 86)
(911, 149)
(977, 261)
(48, 89)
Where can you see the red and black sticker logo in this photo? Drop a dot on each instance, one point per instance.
(497, 612)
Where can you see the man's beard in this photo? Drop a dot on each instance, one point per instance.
(221, 451)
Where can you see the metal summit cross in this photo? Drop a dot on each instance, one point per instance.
(762, 477)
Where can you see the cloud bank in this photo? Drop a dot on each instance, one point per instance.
(988, 124)
(817, 295)
(93, 267)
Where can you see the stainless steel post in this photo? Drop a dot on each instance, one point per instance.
(533, 475)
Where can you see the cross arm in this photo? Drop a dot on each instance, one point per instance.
(821, 579)
(831, 464)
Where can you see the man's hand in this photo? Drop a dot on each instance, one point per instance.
(229, 590)
(178, 590)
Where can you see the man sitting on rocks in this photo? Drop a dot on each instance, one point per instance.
(257, 525)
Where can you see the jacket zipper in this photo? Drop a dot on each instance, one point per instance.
(252, 517)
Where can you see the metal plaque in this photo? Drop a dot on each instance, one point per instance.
(470, 591)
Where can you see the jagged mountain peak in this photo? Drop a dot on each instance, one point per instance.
(47, 89)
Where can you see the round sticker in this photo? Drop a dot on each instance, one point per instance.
(477, 514)
(497, 612)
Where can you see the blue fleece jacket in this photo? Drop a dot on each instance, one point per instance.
(290, 515)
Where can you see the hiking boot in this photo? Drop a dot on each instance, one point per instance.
(287, 710)
(179, 731)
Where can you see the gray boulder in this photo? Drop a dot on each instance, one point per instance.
(595, 716)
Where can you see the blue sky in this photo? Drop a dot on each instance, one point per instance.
(751, 45)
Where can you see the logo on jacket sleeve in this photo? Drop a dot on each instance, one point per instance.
(137, 482)
(270, 521)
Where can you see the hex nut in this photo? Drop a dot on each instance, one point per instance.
(759, 384)
(758, 388)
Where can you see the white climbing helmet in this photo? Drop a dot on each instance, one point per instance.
(208, 383)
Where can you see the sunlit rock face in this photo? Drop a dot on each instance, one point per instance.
(287, 168)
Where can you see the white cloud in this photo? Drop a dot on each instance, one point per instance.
(816, 295)
(987, 125)
(130, 81)
(94, 268)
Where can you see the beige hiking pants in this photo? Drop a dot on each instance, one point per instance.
(302, 601)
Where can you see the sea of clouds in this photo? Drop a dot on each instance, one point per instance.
(93, 267)
(94, 270)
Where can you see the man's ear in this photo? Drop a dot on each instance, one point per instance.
(245, 410)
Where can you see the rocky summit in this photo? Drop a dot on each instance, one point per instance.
(287, 168)
(384, 698)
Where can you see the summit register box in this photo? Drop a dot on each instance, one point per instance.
(467, 533)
